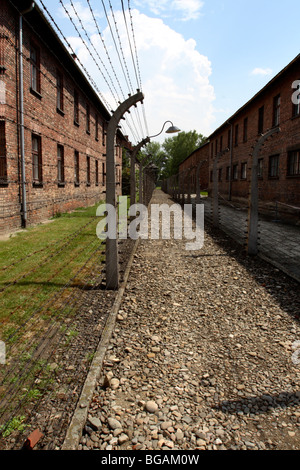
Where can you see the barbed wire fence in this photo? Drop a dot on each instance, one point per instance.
(271, 232)
(50, 342)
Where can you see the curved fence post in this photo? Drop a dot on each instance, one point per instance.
(112, 261)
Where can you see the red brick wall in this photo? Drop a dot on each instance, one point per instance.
(42, 118)
(285, 189)
(200, 156)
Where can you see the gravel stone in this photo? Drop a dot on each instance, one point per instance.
(203, 353)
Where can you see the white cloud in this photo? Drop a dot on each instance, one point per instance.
(261, 71)
(188, 9)
(84, 13)
(175, 76)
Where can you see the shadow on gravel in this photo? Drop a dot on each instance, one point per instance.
(283, 288)
(261, 404)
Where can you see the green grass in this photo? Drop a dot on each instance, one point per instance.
(43, 271)
(38, 262)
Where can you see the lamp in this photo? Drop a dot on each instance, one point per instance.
(172, 130)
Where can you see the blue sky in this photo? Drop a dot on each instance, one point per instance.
(199, 60)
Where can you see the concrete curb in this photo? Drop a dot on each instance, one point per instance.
(74, 432)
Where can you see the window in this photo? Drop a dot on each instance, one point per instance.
(276, 110)
(37, 173)
(296, 99)
(97, 127)
(274, 166)
(261, 113)
(2, 53)
(103, 174)
(76, 108)
(244, 171)
(221, 143)
(236, 138)
(229, 139)
(35, 80)
(245, 133)
(212, 149)
(3, 160)
(60, 164)
(88, 170)
(220, 174)
(235, 172)
(294, 163)
(59, 92)
(260, 167)
(228, 173)
(97, 172)
(103, 133)
(88, 118)
(76, 168)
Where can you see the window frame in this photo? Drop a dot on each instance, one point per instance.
(103, 174)
(96, 172)
(3, 154)
(37, 160)
(35, 68)
(76, 168)
(76, 108)
(59, 91)
(88, 170)
(272, 166)
(88, 118)
(261, 119)
(60, 165)
(244, 171)
(245, 130)
(235, 172)
(276, 110)
(293, 153)
(236, 135)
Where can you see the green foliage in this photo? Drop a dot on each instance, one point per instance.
(15, 424)
(178, 148)
(174, 150)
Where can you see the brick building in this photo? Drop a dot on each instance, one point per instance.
(233, 142)
(196, 166)
(52, 155)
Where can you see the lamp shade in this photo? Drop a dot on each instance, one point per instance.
(172, 130)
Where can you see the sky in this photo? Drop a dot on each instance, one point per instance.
(196, 61)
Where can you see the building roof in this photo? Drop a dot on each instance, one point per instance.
(39, 24)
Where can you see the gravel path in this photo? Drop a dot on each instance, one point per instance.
(203, 355)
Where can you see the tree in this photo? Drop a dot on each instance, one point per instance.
(153, 153)
(178, 148)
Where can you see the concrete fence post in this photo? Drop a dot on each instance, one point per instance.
(252, 242)
(112, 258)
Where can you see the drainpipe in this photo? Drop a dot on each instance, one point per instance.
(22, 139)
